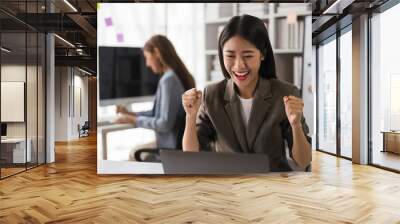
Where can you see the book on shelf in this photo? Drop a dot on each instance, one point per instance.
(297, 71)
(301, 34)
(225, 10)
(250, 6)
(255, 9)
(282, 34)
(293, 7)
(212, 11)
(219, 30)
(289, 36)
(215, 63)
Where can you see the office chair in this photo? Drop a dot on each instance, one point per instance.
(84, 130)
(154, 153)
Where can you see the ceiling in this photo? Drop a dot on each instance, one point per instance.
(331, 15)
(78, 24)
(77, 27)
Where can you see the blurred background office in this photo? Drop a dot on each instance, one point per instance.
(355, 46)
(48, 83)
(53, 44)
(193, 29)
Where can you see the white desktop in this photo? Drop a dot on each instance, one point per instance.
(18, 149)
(111, 164)
(113, 140)
(15, 146)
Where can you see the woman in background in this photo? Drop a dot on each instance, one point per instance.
(167, 116)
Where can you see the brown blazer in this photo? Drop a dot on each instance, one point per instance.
(220, 125)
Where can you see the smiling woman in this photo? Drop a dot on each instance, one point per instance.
(242, 60)
(250, 111)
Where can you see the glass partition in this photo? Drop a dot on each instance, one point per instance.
(346, 93)
(385, 89)
(22, 77)
(327, 96)
(14, 153)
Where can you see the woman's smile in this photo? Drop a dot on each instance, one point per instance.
(242, 75)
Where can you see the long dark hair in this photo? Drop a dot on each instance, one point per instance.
(253, 30)
(170, 58)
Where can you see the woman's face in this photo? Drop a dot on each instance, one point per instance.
(242, 61)
(153, 62)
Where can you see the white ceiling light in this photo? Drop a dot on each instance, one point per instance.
(64, 40)
(337, 7)
(84, 71)
(5, 50)
(70, 5)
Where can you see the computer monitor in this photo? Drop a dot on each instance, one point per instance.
(3, 129)
(124, 77)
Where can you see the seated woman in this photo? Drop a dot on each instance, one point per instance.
(250, 111)
(167, 117)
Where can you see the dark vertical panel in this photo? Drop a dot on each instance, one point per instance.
(26, 80)
(37, 90)
(338, 67)
(317, 97)
(1, 163)
(369, 78)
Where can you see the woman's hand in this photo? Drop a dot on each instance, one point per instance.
(125, 119)
(301, 148)
(191, 101)
(294, 110)
(121, 110)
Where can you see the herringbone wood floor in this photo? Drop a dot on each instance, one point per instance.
(70, 191)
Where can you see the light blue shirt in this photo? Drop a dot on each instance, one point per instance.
(167, 113)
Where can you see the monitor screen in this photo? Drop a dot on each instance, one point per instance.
(123, 73)
(3, 129)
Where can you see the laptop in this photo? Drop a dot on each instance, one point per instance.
(179, 162)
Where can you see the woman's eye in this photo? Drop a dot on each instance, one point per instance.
(230, 56)
(248, 56)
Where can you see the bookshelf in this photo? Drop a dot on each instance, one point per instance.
(286, 26)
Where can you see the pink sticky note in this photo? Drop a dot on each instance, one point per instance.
(120, 37)
(108, 21)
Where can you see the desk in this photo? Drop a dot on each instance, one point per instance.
(104, 130)
(391, 141)
(13, 150)
(105, 166)
(128, 167)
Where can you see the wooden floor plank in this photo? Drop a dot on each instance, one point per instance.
(70, 191)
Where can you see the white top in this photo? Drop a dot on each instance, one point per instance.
(246, 109)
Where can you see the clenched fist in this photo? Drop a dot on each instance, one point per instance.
(191, 101)
(294, 109)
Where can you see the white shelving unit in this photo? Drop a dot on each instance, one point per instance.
(286, 28)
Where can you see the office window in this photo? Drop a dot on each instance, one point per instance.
(22, 93)
(385, 89)
(346, 93)
(327, 96)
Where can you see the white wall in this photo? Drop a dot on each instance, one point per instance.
(182, 23)
(71, 94)
(16, 73)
